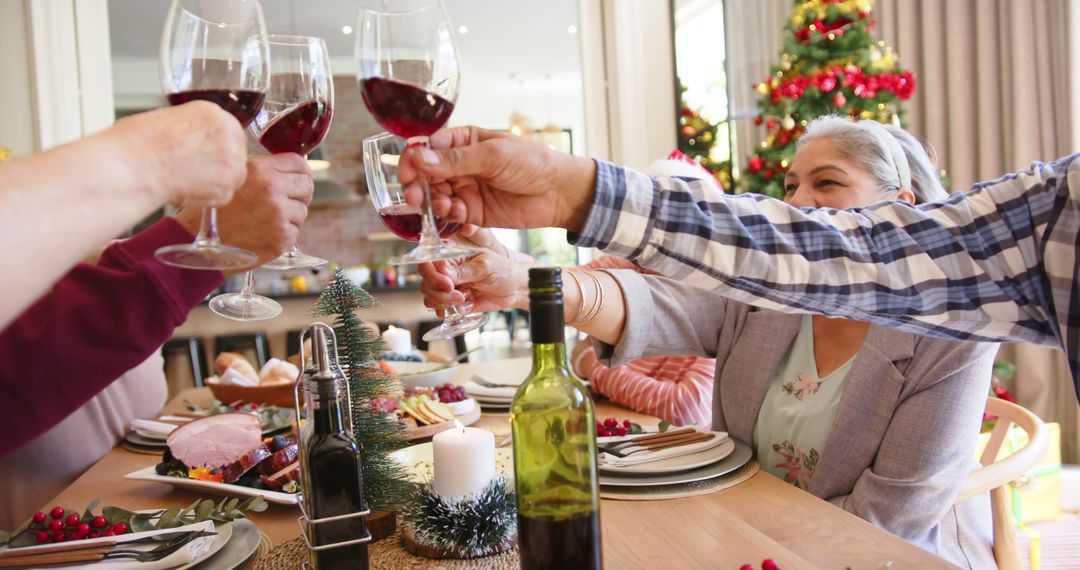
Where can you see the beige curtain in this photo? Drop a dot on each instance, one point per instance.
(754, 35)
(993, 96)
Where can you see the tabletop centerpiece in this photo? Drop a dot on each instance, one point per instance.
(467, 510)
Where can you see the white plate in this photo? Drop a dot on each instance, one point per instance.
(423, 374)
(149, 474)
(417, 461)
(223, 536)
(678, 463)
(239, 549)
(739, 457)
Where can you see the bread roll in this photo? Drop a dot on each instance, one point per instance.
(275, 369)
(237, 362)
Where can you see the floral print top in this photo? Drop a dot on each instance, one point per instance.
(797, 413)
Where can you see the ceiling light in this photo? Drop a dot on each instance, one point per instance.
(463, 29)
(571, 29)
(346, 30)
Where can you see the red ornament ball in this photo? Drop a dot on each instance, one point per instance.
(688, 131)
(758, 120)
(755, 164)
(769, 174)
(771, 124)
(839, 100)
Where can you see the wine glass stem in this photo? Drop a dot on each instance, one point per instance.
(248, 290)
(208, 232)
(429, 234)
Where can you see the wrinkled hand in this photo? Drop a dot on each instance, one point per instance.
(499, 180)
(267, 212)
(491, 281)
(193, 153)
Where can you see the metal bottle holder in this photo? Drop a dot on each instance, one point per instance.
(305, 521)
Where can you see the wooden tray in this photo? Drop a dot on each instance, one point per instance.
(424, 432)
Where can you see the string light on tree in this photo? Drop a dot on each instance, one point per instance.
(830, 62)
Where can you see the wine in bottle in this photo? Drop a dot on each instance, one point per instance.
(554, 429)
(330, 464)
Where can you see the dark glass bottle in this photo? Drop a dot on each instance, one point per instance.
(554, 427)
(332, 480)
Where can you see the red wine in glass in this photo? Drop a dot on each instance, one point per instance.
(240, 103)
(299, 130)
(405, 109)
(404, 220)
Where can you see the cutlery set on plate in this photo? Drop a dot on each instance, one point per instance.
(93, 551)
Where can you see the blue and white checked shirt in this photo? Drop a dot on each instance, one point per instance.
(997, 263)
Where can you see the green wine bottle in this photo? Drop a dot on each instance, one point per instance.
(554, 427)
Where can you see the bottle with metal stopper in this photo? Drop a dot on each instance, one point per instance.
(333, 498)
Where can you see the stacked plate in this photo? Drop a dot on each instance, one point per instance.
(712, 458)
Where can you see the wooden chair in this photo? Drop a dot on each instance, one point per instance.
(995, 476)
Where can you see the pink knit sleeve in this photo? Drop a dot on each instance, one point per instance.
(674, 388)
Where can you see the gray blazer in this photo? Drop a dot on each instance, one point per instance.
(903, 439)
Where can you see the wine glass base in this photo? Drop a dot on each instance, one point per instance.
(241, 307)
(295, 260)
(216, 257)
(455, 327)
(427, 253)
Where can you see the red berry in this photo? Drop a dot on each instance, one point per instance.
(99, 522)
(746, 567)
(621, 431)
(57, 513)
(93, 535)
(39, 517)
(611, 422)
(626, 424)
(769, 564)
(120, 527)
(83, 528)
(72, 520)
(108, 533)
(42, 536)
(58, 537)
(56, 525)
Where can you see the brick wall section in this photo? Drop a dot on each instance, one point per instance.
(335, 232)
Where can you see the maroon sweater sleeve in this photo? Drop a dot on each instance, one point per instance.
(96, 323)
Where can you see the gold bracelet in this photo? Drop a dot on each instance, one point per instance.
(597, 307)
(581, 300)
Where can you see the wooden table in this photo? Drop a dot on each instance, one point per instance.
(760, 518)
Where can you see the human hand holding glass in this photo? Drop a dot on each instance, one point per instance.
(408, 70)
(294, 118)
(381, 157)
(214, 51)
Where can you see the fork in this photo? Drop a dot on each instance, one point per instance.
(488, 383)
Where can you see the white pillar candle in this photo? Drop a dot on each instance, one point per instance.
(397, 340)
(464, 461)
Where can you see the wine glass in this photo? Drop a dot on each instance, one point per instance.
(214, 50)
(295, 117)
(381, 155)
(408, 71)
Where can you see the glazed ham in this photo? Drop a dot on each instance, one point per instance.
(219, 441)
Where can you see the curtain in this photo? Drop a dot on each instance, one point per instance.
(993, 96)
(754, 31)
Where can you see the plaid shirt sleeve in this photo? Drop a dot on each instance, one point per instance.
(997, 263)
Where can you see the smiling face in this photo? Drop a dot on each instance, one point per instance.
(821, 177)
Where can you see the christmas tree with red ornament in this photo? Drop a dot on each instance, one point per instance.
(831, 63)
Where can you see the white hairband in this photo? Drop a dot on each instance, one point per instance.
(896, 152)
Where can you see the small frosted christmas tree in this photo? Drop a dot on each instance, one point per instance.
(385, 484)
(831, 63)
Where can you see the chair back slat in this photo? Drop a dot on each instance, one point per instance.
(997, 437)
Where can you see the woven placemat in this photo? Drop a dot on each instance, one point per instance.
(386, 554)
(681, 490)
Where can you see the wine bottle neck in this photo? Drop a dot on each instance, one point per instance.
(549, 358)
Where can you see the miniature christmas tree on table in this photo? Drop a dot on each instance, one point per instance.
(385, 483)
